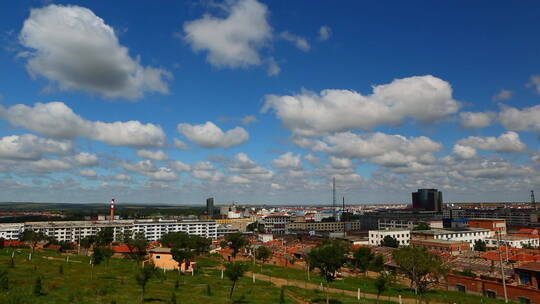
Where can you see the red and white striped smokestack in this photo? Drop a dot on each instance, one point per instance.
(112, 211)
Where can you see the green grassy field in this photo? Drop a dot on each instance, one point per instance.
(115, 283)
(367, 285)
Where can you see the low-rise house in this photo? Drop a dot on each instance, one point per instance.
(469, 235)
(162, 258)
(453, 248)
(513, 241)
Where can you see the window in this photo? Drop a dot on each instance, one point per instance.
(491, 294)
(460, 287)
(158, 257)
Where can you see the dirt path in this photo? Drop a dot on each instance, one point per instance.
(280, 282)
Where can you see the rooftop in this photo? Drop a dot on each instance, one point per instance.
(437, 231)
(532, 266)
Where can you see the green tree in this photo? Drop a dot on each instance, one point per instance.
(255, 227)
(377, 264)
(32, 237)
(422, 268)
(382, 283)
(87, 242)
(328, 258)
(137, 245)
(144, 275)
(101, 254)
(181, 255)
(362, 258)
(236, 241)
(422, 226)
(4, 280)
(480, 245)
(234, 271)
(38, 289)
(389, 241)
(195, 243)
(105, 236)
(262, 254)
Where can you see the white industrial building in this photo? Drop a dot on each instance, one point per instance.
(513, 241)
(469, 235)
(403, 236)
(75, 230)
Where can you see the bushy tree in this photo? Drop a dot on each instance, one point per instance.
(422, 268)
(328, 258)
(181, 255)
(382, 283)
(87, 242)
(263, 254)
(377, 264)
(194, 243)
(4, 280)
(422, 226)
(38, 289)
(389, 241)
(137, 245)
(32, 237)
(144, 275)
(235, 241)
(234, 271)
(101, 254)
(105, 236)
(362, 258)
(480, 245)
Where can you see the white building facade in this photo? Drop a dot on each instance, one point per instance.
(469, 235)
(403, 236)
(74, 231)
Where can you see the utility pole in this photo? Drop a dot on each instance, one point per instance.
(502, 268)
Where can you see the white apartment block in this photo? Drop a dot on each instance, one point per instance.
(403, 236)
(276, 224)
(513, 241)
(11, 231)
(75, 230)
(406, 223)
(469, 235)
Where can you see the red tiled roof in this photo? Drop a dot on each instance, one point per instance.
(491, 256)
(123, 249)
(523, 257)
(12, 243)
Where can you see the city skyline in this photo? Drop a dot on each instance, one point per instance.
(266, 102)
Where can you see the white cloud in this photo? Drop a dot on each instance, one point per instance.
(28, 146)
(503, 95)
(471, 120)
(180, 166)
(313, 159)
(243, 165)
(424, 98)
(47, 165)
(85, 159)
(379, 148)
(163, 174)
(239, 180)
(154, 155)
(324, 33)
(273, 67)
(123, 177)
(149, 169)
(464, 152)
(520, 120)
(56, 119)
(88, 173)
(180, 145)
(76, 49)
(508, 142)
(233, 41)
(209, 135)
(340, 163)
(299, 42)
(248, 119)
(535, 83)
(288, 161)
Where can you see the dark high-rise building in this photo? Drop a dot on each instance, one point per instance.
(210, 207)
(427, 199)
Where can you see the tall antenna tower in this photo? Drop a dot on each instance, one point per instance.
(334, 197)
(533, 201)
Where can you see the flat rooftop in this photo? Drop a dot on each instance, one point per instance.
(437, 231)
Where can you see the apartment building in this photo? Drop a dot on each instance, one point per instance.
(513, 241)
(276, 223)
(75, 230)
(403, 236)
(514, 217)
(306, 227)
(469, 235)
(388, 223)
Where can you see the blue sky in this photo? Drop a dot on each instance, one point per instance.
(265, 102)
